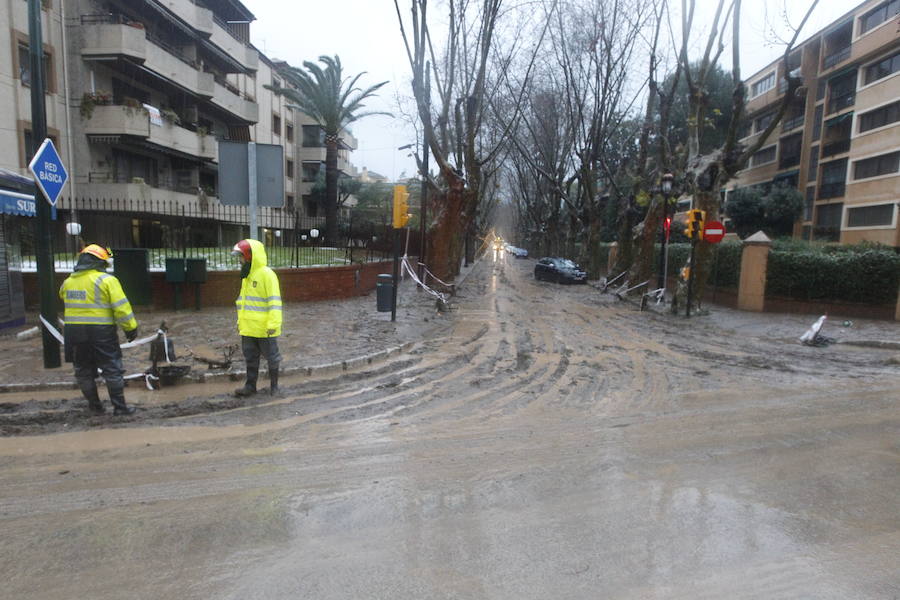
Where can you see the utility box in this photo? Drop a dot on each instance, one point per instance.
(195, 271)
(384, 291)
(131, 266)
(176, 271)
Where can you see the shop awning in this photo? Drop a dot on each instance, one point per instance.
(15, 203)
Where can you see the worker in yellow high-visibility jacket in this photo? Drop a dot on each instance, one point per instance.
(258, 314)
(94, 305)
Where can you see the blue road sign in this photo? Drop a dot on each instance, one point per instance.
(49, 172)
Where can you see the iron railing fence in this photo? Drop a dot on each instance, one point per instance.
(207, 229)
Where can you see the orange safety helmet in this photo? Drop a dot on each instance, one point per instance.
(242, 248)
(98, 251)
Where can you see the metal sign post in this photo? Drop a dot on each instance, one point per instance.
(251, 190)
(43, 237)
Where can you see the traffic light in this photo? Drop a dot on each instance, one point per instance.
(695, 224)
(401, 207)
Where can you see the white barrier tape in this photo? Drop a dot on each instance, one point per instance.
(52, 330)
(147, 377)
(55, 333)
(415, 278)
(444, 283)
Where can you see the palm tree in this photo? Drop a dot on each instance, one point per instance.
(333, 102)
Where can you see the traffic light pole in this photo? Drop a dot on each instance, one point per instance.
(43, 238)
(396, 274)
(690, 290)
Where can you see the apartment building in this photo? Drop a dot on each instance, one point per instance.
(139, 92)
(839, 142)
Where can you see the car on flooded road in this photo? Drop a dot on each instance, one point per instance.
(559, 270)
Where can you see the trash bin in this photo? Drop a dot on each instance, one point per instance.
(384, 290)
(175, 270)
(196, 270)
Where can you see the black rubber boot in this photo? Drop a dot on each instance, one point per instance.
(117, 397)
(249, 388)
(273, 381)
(89, 391)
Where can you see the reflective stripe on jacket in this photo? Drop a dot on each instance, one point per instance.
(96, 298)
(259, 303)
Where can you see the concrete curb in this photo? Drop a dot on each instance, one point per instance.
(322, 369)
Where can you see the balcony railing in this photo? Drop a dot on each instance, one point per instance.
(836, 57)
(832, 190)
(793, 123)
(790, 160)
(838, 147)
(837, 103)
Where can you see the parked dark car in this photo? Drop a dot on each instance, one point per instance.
(560, 270)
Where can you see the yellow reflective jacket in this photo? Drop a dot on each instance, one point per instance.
(259, 304)
(93, 297)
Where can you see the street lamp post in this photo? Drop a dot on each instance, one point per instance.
(666, 187)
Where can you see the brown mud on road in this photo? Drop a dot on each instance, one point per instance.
(545, 441)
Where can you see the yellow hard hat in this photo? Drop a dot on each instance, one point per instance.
(98, 251)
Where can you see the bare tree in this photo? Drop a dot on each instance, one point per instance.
(707, 173)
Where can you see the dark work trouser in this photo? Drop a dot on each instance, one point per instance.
(253, 347)
(96, 347)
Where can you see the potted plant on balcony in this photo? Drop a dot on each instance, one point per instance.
(170, 115)
(91, 99)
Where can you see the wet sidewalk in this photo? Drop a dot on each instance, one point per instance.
(315, 335)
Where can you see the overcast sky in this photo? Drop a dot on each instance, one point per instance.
(366, 36)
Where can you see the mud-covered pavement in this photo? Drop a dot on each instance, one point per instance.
(552, 443)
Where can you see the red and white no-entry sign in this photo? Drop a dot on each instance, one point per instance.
(713, 232)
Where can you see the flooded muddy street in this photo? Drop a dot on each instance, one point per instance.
(548, 442)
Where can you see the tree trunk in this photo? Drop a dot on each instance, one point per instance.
(331, 191)
(642, 267)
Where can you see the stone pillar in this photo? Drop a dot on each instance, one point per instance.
(611, 259)
(897, 311)
(754, 262)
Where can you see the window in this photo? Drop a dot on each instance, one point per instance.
(763, 122)
(886, 164)
(26, 139)
(276, 124)
(817, 123)
(289, 132)
(813, 164)
(289, 201)
(842, 92)
(313, 136)
(871, 216)
(834, 179)
(766, 155)
(828, 221)
(879, 117)
(879, 15)
(289, 168)
(310, 171)
(883, 68)
(276, 83)
(763, 85)
(24, 68)
(790, 151)
(310, 206)
(809, 203)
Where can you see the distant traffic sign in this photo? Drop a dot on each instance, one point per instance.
(713, 232)
(49, 172)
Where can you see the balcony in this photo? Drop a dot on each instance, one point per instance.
(240, 51)
(136, 196)
(232, 102)
(836, 57)
(199, 18)
(837, 147)
(841, 102)
(832, 190)
(109, 121)
(793, 123)
(105, 37)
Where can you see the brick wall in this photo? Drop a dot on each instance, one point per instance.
(221, 287)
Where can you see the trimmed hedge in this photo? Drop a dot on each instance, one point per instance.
(865, 273)
(726, 269)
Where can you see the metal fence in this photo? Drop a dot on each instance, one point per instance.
(207, 229)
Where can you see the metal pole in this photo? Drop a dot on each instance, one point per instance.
(251, 178)
(43, 235)
(423, 217)
(396, 274)
(690, 290)
(661, 279)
